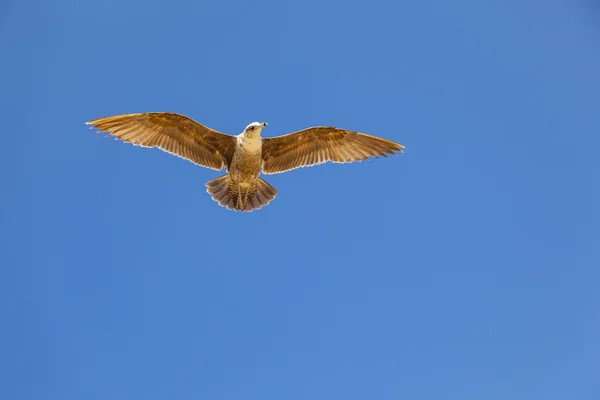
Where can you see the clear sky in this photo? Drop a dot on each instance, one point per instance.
(465, 268)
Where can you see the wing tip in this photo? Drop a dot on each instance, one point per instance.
(96, 126)
(398, 148)
(112, 118)
(95, 122)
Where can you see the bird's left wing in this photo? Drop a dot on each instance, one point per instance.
(173, 133)
(320, 144)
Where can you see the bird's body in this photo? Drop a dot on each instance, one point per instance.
(243, 180)
(246, 155)
(247, 162)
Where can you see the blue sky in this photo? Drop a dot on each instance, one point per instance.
(466, 268)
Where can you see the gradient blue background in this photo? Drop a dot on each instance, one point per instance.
(466, 268)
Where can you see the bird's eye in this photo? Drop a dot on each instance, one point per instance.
(251, 128)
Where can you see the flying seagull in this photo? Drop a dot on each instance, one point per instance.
(246, 155)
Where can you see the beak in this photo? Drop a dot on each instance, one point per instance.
(264, 124)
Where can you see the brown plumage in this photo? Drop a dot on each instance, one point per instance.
(173, 133)
(244, 156)
(320, 144)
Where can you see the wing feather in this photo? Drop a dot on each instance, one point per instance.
(174, 133)
(321, 144)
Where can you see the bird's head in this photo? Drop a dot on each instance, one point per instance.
(254, 129)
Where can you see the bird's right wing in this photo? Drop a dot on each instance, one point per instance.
(320, 144)
(173, 133)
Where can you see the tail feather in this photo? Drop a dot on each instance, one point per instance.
(233, 196)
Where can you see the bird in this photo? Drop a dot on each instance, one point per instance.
(244, 156)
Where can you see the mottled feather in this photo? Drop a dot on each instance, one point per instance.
(173, 133)
(321, 144)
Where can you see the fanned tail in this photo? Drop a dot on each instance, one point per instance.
(233, 196)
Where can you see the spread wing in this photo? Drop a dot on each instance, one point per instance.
(173, 133)
(320, 144)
